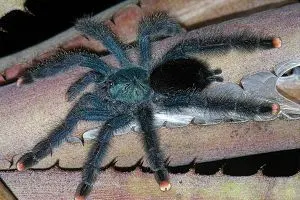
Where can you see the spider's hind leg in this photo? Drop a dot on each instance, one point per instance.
(151, 143)
(152, 27)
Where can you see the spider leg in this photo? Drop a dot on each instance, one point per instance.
(152, 27)
(97, 153)
(104, 34)
(245, 41)
(64, 61)
(227, 102)
(151, 143)
(82, 83)
(215, 78)
(89, 108)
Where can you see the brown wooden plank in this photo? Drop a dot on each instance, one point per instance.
(30, 112)
(55, 184)
(5, 193)
(195, 13)
(205, 143)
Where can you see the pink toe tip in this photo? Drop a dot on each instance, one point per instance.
(165, 186)
(275, 108)
(276, 42)
(19, 82)
(20, 166)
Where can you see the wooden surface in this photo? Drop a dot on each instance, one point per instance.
(55, 184)
(28, 118)
(30, 112)
(5, 193)
(195, 13)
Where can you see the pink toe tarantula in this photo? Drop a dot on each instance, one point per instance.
(147, 94)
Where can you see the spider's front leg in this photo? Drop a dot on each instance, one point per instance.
(97, 153)
(152, 27)
(89, 108)
(151, 143)
(62, 62)
(102, 32)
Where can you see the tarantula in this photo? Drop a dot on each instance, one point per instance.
(146, 94)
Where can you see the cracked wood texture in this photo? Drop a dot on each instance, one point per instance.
(31, 111)
(56, 184)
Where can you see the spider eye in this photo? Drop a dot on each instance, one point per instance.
(110, 83)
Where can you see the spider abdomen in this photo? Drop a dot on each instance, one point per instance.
(182, 75)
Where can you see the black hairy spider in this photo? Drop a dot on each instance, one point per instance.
(146, 94)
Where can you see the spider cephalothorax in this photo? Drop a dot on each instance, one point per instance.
(171, 91)
(130, 85)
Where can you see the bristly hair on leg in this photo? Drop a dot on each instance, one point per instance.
(97, 153)
(101, 32)
(89, 107)
(151, 144)
(214, 44)
(76, 88)
(63, 61)
(155, 26)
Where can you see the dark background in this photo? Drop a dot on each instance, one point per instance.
(45, 19)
